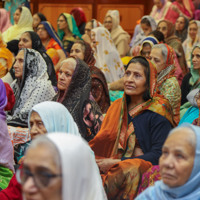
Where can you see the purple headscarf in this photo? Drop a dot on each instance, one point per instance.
(3, 100)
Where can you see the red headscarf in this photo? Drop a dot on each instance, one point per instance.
(10, 96)
(78, 15)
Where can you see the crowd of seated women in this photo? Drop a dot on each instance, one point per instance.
(87, 112)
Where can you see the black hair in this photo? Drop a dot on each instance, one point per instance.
(143, 61)
(145, 21)
(158, 35)
(20, 9)
(41, 16)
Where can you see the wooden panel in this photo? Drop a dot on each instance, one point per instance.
(52, 11)
(129, 14)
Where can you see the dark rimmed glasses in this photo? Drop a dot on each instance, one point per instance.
(41, 178)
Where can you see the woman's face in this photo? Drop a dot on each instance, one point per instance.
(65, 75)
(147, 29)
(180, 23)
(193, 30)
(146, 50)
(158, 3)
(36, 125)
(25, 41)
(135, 80)
(18, 65)
(40, 162)
(16, 16)
(36, 20)
(42, 33)
(196, 58)
(157, 58)
(94, 45)
(88, 28)
(177, 159)
(108, 23)
(162, 27)
(77, 51)
(62, 23)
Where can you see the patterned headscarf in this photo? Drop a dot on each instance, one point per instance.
(107, 56)
(32, 89)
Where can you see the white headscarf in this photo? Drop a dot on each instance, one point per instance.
(107, 56)
(80, 176)
(24, 24)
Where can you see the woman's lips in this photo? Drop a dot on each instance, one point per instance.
(130, 87)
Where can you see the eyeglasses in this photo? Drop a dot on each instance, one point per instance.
(42, 29)
(41, 178)
(108, 22)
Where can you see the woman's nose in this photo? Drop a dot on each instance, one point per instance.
(29, 186)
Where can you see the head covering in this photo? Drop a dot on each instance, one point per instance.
(191, 96)
(107, 56)
(98, 80)
(194, 72)
(170, 28)
(10, 96)
(71, 24)
(55, 117)
(183, 34)
(32, 89)
(6, 58)
(169, 69)
(24, 24)
(78, 15)
(77, 94)
(6, 149)
(80, 175)
(4, 20)
(150, 40)
(37, 45)
(95, 23)
(52, 33)
(190, 190)
(117, 32)
(3, 100)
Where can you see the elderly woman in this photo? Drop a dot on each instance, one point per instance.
(120, 37)
(179, 167)
(37, 19)
(181, 27)
(168, 29)
(67, 30)
(30, 87)
(180, 7)
(52, 43)
(31, 40)
(133, 131)
(74, 86)
(99, 88)
(23, 22)
(106, 55)
(63, 167)
(193, 39)
(6, 58)
(191, 80)
(163, 57)
(160, 9)
(6, 150)
(45, 117)
(4, 20)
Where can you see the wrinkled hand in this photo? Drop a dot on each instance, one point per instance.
(106, 163)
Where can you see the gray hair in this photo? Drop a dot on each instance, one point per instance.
(163, 48)
(45, 141)
(69, 60)
(191, 139)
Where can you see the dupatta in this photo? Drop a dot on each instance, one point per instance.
(115, 132)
